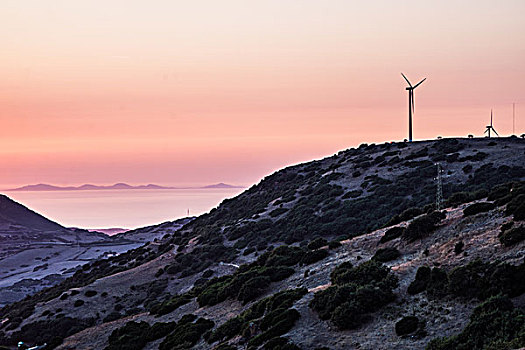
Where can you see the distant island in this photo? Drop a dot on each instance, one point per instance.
(117, 186)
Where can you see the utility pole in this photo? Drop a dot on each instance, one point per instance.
(439, 190)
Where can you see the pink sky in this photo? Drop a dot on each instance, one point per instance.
(196, 92)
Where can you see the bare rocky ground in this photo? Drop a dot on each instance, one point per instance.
(443, 317)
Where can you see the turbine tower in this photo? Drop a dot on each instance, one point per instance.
(410, 89)
(490, 127)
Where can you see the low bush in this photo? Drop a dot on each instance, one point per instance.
(495, 324)
(355, 293)
(422, 226)
(317, 243)
(477, 208)
(512, 236)
(314, 256)
(392, 233)
(186, 333)
(171, 304)
(334, 244)
(407, 325)
(263, 321)
(458, 247)
(475, 280)
(386, 254)
(421, 281)
(78, 303)
(90, 293)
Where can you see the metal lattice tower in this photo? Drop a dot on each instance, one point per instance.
(439, 190)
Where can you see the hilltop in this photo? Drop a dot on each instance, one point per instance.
(347, 252)
(117, 186)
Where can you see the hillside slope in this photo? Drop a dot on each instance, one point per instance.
(352, 198)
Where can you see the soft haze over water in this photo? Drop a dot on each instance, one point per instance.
(121, 208)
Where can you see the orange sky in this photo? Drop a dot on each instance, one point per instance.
(196, 92)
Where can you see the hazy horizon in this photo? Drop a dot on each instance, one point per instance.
(130, 209)
(188, 92)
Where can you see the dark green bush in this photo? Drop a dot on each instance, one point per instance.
(475, 280)
(495, 324)
(253, 288)
(271, 316)
(386, 254)
(334, 244)
(355, 292)
(513, 236)
(458, 247)
(186, 333)
(78, 303)
(392, 233)
(311, 257)
(421, 281)
(90, 293)
(422, 226)
(171, 304)
(317, 243)
(476, 208)
(407, 325)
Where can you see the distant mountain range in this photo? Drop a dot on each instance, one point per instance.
(117, 186)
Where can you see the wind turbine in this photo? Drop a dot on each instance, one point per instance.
(490, 127)
(410, 89)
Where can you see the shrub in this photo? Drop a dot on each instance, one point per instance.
(78, 303)
(478, 208)
(271, 315)
(495, 324)
(253, 288)
(513, 236)
(421, 281)
(407, 325)
(355, 292)
(317, 243)
(422, 226)
(458, 247)
(171, 304)
(519, 213)
(90, 293)
(334, 244)
(311, 257)
(131, 336)
(392, 233)
(186, 333)
(386, 254)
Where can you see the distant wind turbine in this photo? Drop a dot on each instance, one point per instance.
(490, 127)
(410, 89)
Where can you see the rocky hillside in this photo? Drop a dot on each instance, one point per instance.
(348, 252)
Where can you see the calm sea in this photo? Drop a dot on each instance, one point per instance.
(121, 208)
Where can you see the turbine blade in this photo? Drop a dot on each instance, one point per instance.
(413, 103)
(419, 83)
(486, 131)
(495, 131)
(491, 118)
(406, 80)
